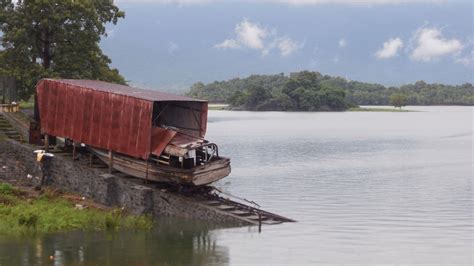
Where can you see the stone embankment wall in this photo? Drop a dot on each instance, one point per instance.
(18, 165)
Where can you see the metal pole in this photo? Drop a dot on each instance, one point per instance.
(73, 151)
(111, 161)
(46, 142)
(146, 172)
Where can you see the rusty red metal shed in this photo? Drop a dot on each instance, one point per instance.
(119, 118)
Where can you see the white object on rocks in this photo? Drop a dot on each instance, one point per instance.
(29, 176)
(41, 153)
(80, 206)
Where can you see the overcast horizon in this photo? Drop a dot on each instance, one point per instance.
(172, 44)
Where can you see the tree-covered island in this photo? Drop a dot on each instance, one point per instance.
(312, 91)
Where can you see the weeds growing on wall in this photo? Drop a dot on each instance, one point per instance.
(20, 214)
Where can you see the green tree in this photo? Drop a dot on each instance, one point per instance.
(398, 100)
(256, 95)
(332, 98)
(297, 96)
(237, 99)
(311, 91)
(56, 38)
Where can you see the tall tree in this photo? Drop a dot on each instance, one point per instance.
(398, 100)
(56, 38)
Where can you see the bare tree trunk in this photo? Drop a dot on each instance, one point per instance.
(46, 53)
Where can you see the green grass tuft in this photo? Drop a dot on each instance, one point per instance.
(20, 215)
(375, 109)
(27, 105)
(5, 189)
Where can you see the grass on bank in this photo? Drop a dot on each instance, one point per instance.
(218, 106)
(27, 105)
(375, 109)
(21, 214)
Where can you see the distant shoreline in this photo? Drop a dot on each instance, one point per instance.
(375, 108)
(379, 109)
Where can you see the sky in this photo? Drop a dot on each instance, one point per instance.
(170, 44)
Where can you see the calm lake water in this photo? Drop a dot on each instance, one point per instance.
(365, 187)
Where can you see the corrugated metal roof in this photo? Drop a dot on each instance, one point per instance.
(150, 95)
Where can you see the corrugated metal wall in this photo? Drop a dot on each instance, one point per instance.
(105, 120)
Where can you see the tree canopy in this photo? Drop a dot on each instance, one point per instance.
(55, 38)
(312, 91)
(398, 100)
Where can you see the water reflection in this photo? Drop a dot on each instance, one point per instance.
(366, 188)
(173, 242)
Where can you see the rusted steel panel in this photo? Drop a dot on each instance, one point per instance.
(127, 122)
(204, 119)
(96, 120)
(133, 131)
(112, 117)
(68, 124)
(116, 122)
(105, 121)
(87, 116)
(160, 138)
(148, 95)
(144, 128)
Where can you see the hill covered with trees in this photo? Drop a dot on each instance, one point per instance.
(312, 91)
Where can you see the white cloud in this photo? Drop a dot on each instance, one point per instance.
(390, 48)
(228, 44)
(254, 36)
(287, 46)
(248, 34)
(290, 2)
(342, 43)
(172, 47)
(351, 2)
(430, 45)
(251, 34)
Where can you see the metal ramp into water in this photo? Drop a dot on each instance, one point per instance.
(249, 214)
(207, 198)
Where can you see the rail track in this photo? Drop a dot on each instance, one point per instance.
(207, 196)
(8, 130)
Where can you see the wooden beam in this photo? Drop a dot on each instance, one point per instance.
(73, 151)
(146, 172)
(111, 161)
(46, 142)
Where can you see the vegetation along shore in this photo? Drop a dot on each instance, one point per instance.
(312, 91)
(26, 211)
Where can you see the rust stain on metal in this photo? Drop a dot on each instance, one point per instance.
(109, 116)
